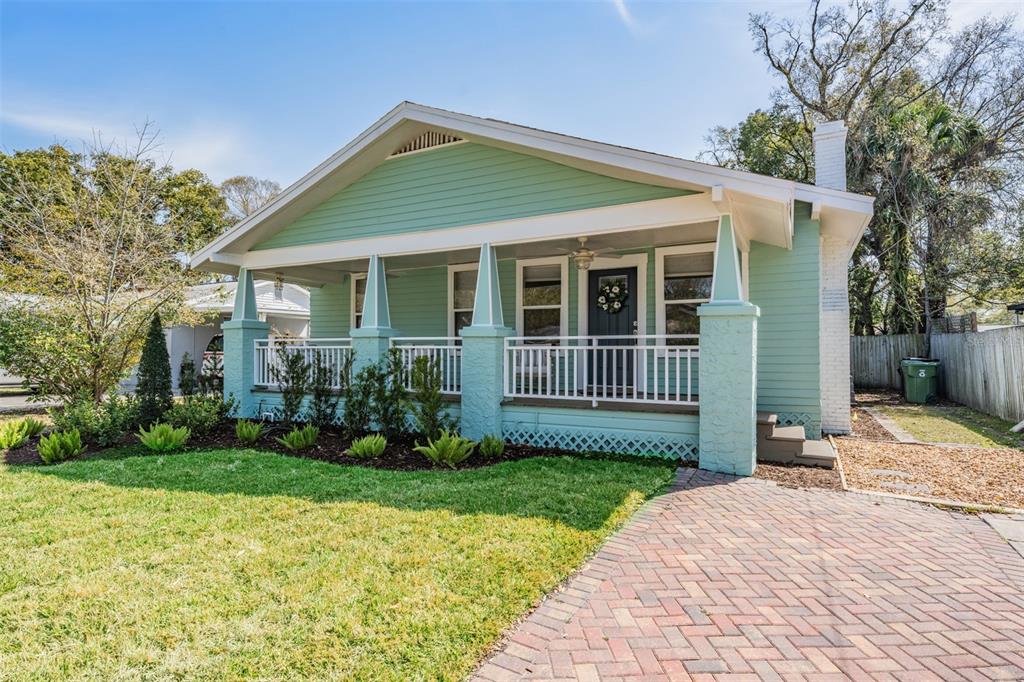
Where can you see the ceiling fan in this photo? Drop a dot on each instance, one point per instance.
(584, 257)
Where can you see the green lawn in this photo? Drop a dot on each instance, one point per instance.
(232, 564)
(954, 424)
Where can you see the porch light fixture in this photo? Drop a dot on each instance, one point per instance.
(584, 257)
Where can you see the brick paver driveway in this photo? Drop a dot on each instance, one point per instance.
(725, 578)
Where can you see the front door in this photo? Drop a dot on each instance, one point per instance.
(612, 312)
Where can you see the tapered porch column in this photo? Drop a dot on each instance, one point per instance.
(483, 354)
(728, 366)
(371, 341)
(240, 335)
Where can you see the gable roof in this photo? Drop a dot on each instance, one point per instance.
(220, 297)
(761, 201)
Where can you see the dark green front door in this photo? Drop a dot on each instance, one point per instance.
(612, 369)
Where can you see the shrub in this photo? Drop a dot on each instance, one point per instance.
(187, 382)
(199, 413)
(448, 449)
(492, 447)
(249, 432)
(291, 374)
(300, 438)
(367, 447)
(211, 375)
(358, 401)
(32, 426)
(13, 434)
(60, 445)
(154, 375)
(323, 403)
(163, 437)
(104, 423)
(390, 401)
(428, 406)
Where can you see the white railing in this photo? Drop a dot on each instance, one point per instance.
(446, 351)
(334, 353)
(651, 368)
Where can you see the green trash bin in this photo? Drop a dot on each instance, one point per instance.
(920, 379)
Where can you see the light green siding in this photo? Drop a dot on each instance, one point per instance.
(329, 311)
(461, 184)
(784, 284)
(419, 302)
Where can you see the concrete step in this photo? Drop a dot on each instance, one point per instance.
(788, 433)
(817, 453)
(767, 418)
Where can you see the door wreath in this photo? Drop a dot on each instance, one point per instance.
(612, 297)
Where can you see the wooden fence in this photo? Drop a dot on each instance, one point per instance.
(984, 370)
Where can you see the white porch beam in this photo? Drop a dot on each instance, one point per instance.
(695, 208)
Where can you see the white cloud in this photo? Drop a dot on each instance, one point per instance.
(217, 150)
(624, 14)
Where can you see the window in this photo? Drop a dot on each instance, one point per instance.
(683, 279)
(358, 294)
(541, 297)
(461, 295)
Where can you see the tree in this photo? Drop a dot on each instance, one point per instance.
(936, 134)
(154, 375)
(92, 246)
(245, 194)
(188, 384)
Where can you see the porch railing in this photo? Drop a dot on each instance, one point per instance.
(646, 368)
(446, 351)
(334, 353)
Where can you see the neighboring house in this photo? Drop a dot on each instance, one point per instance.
(284, 308)
(576, 294)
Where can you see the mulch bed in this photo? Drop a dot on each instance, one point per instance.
(796, 476)
(865, 426)
(968, 474)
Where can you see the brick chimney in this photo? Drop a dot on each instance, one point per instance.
(830, 155)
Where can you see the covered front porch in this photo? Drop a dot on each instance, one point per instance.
(557, 342)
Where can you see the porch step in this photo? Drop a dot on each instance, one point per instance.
(789, 444)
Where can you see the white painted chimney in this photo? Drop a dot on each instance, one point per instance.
(830, 155)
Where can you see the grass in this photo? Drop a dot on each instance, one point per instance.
(954, 424)
(233, 564)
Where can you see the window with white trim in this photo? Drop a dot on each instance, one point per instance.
(684, 275)
(461, 296)
(358, 295)
(542, 297)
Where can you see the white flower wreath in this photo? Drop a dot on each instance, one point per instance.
(612, 297)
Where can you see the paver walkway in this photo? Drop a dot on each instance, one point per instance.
(727, 578)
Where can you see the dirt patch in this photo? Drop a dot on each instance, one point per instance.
(867, 427)
(968, 474)
(795, 476)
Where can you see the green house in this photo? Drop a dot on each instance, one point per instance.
(575, 294)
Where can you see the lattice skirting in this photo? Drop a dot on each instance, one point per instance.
(668, 446)
(811, 424)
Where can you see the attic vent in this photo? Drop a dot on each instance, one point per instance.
(426, 141)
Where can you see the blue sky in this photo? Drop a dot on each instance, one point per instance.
(272, 88)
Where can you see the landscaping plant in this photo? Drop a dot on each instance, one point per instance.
(154, 375)
(105, 423)
(14, 434)
(60, 445)
(358, 401)
(367, 447)
(449, 449)
(163, 437)
(249, 432)
(300, 438)
(390, 402)
(187, 382)
(291, 374)
(199, 413)
(492, 447)
(323, 402)
(429, 409)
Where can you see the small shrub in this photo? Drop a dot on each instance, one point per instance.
(60, 445)
(390, 401)
(291, 374)
(428, 405)
(188, 384)
(300, 439)
(32, 426)
(492, 447)
(448, 449)
(199, 413)
(323, 402)
(153, 387)
(367, 447)
(359, 400)
(82, 415)
(211, 375)
(13, 435)
(249, 432)
(105, 423)
(163, 437)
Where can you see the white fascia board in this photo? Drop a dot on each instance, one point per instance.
(669, 212)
